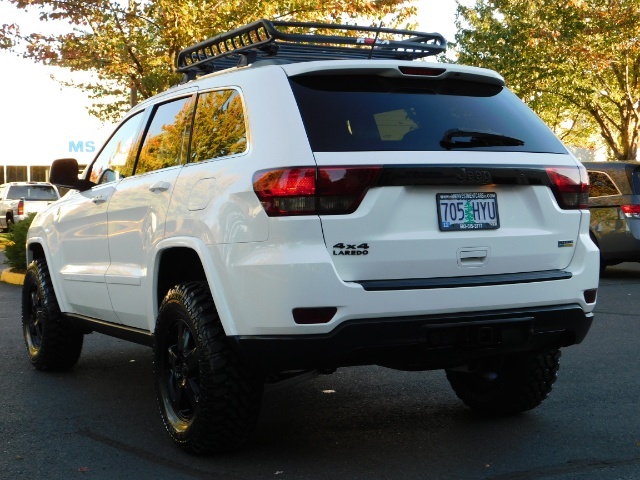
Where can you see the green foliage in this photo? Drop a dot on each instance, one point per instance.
(15, 248)
(576, 63)
(135, 44)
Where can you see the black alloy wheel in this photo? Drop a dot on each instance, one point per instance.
(182, 375)
(209, 399)
(51, 343)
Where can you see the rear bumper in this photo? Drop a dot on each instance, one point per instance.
(420, 342)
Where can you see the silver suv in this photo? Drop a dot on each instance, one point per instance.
(313, 202)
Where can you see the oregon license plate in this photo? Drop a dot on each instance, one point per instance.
(468, 211)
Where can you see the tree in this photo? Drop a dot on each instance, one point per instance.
(575, 62)
(135, 45)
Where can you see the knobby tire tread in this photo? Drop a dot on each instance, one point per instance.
(61, 344)
(522, 386)
(231, 392)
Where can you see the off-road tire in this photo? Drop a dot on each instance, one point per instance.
(51, 344)
(209, 399)
(508, 385)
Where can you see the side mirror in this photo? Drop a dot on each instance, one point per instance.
(64, 173)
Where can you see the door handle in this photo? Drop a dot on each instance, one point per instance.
(160, 187)
(473, 257)
(98, 200)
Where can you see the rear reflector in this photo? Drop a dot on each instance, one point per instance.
(570, 186)
(590, 295)
(631, 211)
(311, 191)
(310, 316)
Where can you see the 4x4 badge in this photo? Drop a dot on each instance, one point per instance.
(351, 249)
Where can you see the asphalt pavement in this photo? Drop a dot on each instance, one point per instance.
(100, 421)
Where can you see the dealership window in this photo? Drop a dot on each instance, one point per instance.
(16, 173)
(39, 174)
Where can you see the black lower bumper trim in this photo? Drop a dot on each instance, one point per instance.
(471, 281)
(420, 342)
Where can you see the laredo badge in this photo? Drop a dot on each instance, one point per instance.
(565, 243)
(351, 249)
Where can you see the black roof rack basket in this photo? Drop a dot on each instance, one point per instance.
(267, 39)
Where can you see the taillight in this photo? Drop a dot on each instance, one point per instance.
(311, 191)
(631, 211)
(570, 186)
(21, 207)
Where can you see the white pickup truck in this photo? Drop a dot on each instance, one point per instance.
(19, 199)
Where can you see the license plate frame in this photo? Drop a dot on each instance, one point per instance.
(455, 211)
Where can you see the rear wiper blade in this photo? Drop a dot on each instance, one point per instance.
(477, 139)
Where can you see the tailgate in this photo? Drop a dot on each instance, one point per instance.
(457, 215)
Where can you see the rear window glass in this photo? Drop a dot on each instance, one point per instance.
(369, 113)
(600, 185)
(31, 192)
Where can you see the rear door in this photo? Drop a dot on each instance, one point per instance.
(469, 181)
(138, 209)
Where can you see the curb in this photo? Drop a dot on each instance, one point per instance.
(8, 276)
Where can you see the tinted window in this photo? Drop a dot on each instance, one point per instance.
(166, 142)
(117, 156)
(31, 192)
(635, 181)
(219, 127)
(362, 113)
(600, 185)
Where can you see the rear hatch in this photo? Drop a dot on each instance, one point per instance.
(457, 177)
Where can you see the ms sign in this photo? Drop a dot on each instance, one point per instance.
(82, 146)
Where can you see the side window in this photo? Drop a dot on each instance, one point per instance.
(167, 139)
(600, 185)
(117, 157)
(218, 128)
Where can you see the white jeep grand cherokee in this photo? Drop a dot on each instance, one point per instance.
(313, 202)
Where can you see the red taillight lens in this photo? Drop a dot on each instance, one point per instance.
(570, 186)
(21, 207)
(305, 191)
(631, 211)
(289, 191)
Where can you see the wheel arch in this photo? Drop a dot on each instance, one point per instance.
(186, 259)
(37, 249)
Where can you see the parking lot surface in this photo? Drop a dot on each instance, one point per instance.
(100, 420)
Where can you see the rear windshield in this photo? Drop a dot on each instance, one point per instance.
(31, 192)
(368, 113)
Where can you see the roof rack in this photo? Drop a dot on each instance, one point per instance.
(267, 39)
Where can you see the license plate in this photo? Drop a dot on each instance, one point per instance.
(468, 211)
